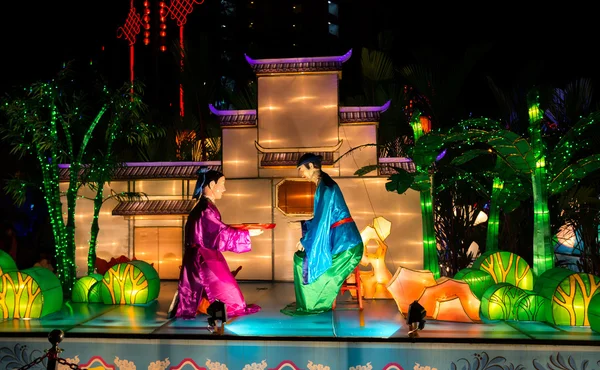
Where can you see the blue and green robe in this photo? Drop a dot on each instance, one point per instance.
(333, 248)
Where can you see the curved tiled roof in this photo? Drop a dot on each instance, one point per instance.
(154, 207)
(152, 170)
(298, 65)
(290, 159)
(362, 114)
(234, 118)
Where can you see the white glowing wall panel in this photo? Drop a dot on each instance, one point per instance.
(298, 111)
(113, 235)
(240, 157)
(293, 172)
(354, 136)
(250, 201)
(286, 236)
(367, 199)
(160, 189)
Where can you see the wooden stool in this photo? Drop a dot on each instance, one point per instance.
(356, 286)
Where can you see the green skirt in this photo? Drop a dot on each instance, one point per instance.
(318, 296)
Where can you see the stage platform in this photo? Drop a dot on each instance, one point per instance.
(100, 336)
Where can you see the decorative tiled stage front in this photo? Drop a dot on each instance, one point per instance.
(99, 336)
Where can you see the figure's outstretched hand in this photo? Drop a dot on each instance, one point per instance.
(300, 247)
(255, 232)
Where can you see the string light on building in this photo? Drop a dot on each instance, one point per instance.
(146, 22)
(163, 25)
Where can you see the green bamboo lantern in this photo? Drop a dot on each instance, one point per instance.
(95, 292)
(82, 287)
(478, 280)
(7, 264)
(30, 294)
(506, 267)
(569, 294)
(532, 307)
(133, 282)
(594, 312)
(500, 301)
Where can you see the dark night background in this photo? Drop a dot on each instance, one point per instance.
(528, 44)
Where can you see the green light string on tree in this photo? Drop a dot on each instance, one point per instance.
(101, 176)
(543, 254)
(424, 183)
(124, 123)
(43, 122)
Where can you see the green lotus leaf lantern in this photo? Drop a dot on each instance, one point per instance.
(506, 267)
(7, 264)
(81, 289)
(569, 293)
(133, 282)
(95, 292)
(500, 300)
(594, 312)
(30, 294)
(531, 307)
(478, 280)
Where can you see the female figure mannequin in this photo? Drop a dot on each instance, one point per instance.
(204, 270)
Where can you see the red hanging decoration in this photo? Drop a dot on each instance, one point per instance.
(146, 22)
(129, 31)
(163, 25)
(179, 10)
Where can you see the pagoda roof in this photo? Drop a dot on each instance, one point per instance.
(154, 207)
(290, 159)
(248, 117)
(298, 65)
(234, 118)
(151, 170)
(388, 165)
(362, 114)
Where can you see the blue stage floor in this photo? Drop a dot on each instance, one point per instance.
(102, 335)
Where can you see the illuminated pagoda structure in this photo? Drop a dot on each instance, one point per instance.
(298, 112)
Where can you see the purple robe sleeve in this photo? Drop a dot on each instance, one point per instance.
(211, 233)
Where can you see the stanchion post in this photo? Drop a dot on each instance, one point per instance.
(55, 337)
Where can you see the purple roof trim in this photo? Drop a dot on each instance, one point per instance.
(159, 164)
(341, 58)
(217, 112)
(380, 109)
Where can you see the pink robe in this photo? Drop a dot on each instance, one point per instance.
(204, 270)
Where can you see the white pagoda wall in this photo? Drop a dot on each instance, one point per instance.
(354, 136)
(298, 110)
(293, 171)
(240, 158)
(250, 201)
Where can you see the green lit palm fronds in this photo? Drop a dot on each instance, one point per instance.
(573, 173)
(580, 138)
(513, 149)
